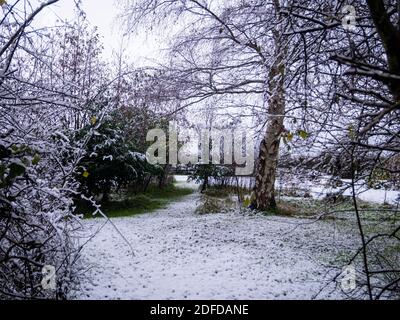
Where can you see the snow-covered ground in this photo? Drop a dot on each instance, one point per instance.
(183, 255)
(379, 196)
(319, 189)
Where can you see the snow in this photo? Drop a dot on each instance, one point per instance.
(379, 196)
(319, 189)
(137, 155)
(182, 255)
(182, 181)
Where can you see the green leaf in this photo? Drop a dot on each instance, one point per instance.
(289, 136)
(36, 159)
(303, 134)
(2, 170)
(16, 170)
(19, 148)
(4, 152)
(86, 174)
(351, 132)
(14, 148)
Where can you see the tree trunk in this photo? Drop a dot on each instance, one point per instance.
(390, 37)
(204, 185)
(162, 181)
(264, 191)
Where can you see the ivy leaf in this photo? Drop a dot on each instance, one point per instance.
(289, 136)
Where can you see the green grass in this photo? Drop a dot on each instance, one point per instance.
(221, 192)
(225, 191)
(154, 199)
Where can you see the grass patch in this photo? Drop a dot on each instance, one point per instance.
(219, 199)
(283, 209)
(215, 205)
(219, 191)
(154, 199)
(306, 207)
(333, 208)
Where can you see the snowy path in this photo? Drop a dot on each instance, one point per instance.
(180, 255)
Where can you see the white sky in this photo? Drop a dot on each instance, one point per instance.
(141, 49)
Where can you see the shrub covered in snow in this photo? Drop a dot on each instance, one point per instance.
(36, 223)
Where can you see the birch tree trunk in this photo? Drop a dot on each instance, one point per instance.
(264, 191)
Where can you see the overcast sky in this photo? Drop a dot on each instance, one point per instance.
(141, 49)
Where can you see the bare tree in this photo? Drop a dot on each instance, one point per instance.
(236, 51)
(361, 90)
